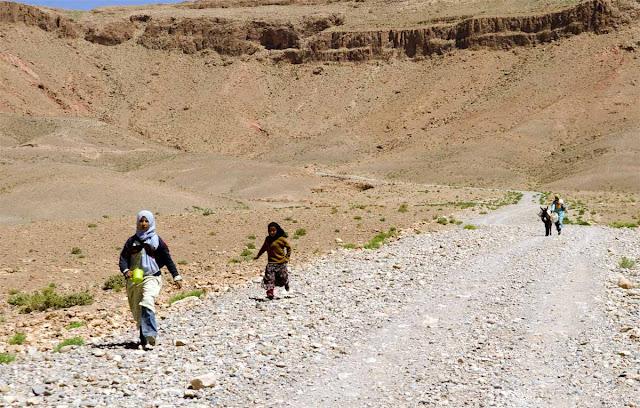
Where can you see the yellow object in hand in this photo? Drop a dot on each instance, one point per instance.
(137, 275)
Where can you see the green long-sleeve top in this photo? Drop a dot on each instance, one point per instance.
(278, 250)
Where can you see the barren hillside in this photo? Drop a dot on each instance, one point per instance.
(503, 94)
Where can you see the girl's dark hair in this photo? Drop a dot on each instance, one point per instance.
(279, 231)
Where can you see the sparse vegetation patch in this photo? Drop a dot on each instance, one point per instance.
(379, 239)
(115, 282)
(17, 339)
(196, 292)
(48, 298)
(626, 263)
(6, 358)
(74, 341)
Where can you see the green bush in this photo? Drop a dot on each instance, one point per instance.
(357, 218)
(251, 245)
(48, 298)
(403, 208)
(246, 252)
(17, 339)
(251, 237)
(379, 239)
(180, 296)
(349, 246)
(301, 232)
(76, 251)
(115, 282)
(74, 341)
(442, 220)
(470, 227)
(626, 263)
(6, 358)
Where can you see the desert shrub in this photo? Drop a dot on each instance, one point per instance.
(349, 245)
(442, 220)
(76, 251)
(48, 298)
(379, 239)
(92, 225)
(357, 218)
(115, 282)
(251, 237)
(626, 263)
(6, 358)
(301, 232)
(183, 262)
(73, 341)
(182, 295)
(251, 245)
(234, 261)
(246, 253)
(470, 227)
(403, 208)
(17, 339)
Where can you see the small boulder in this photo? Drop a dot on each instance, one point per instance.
(625, 283)
(204, 381)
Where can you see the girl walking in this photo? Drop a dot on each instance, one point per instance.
(141, 258)
(278, 254)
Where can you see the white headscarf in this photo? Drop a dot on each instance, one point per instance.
(150, 238)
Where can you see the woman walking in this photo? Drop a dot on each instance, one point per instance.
(278, 254)
(557, 206)
(141, 258)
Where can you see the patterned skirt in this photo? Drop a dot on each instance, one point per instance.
(275, 275)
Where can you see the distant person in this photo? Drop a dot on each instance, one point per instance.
(278, 254)
(141, 258)
(557, 207)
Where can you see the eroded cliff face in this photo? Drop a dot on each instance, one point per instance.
(322, 39)
(33, 16)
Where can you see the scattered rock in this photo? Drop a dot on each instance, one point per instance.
(38, 390)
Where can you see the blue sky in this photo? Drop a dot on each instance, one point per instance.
(89, 4)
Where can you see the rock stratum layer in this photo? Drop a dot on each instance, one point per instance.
(323, 38)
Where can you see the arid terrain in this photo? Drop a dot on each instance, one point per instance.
(338, 119)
